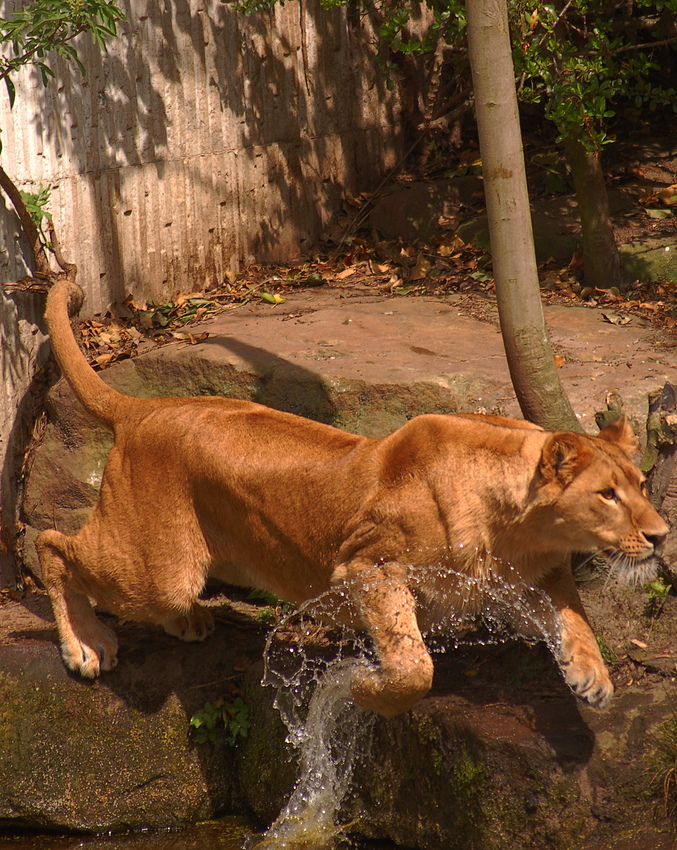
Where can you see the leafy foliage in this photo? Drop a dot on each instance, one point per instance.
(579, 59)
(49, 26)
(36, 204)
(36, 207)
(219, 719)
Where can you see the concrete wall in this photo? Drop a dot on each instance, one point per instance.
(203, 139)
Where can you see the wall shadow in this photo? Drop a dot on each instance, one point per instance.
(285, 97)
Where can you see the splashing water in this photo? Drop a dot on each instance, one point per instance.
(313, 691)
(334, 734)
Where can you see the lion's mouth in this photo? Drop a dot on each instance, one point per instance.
(634, 570)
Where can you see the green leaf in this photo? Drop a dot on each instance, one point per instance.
(658, 214)
(11, 91)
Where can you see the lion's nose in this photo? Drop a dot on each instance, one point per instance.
(657, 541)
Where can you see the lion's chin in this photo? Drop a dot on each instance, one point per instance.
(633, 571)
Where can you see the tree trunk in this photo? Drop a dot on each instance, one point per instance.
(525, 335)
(602, 267)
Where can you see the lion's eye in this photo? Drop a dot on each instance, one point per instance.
(609, 494)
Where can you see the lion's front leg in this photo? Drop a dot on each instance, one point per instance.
(578, 654)
(388, 610)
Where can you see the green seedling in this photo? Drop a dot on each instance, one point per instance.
(229, 721)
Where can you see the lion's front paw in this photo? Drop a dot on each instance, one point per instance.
(196, 625)
(374, 690)
(588, 681)
(91, 654)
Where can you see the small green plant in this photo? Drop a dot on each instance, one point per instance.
(219, 719)
(36, 204)
(664, 765)
(608, 654)
(266, 616)
(36, 207)
(273, 609)
(264, 596)
(658, 591)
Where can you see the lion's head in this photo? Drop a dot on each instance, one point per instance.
(597, 501)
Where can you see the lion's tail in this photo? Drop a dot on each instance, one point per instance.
(64, 300)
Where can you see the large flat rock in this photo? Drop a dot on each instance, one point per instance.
(334, 342)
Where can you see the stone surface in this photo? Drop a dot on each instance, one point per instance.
(500, 756)
(650, 259)
(115, 753)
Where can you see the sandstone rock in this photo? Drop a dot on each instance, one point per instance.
(116, 753)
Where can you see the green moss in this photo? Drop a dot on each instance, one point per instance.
(468, 774)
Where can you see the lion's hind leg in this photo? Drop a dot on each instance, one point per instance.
(87, 646)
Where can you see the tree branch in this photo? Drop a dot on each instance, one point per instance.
(40, 260)
(646, 46)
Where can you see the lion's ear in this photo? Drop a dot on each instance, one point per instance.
(620, 432)
(562, 457)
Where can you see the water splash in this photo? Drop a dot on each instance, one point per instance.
(334, 734)
(312, 675)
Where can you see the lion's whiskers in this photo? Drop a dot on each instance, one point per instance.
(628, 569)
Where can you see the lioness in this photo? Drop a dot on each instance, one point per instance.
(198, 487)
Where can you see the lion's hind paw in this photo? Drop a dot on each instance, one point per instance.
(196, 625)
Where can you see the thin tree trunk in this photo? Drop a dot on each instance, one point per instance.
(525, 335)
(602, 267)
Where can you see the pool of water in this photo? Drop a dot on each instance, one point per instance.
(225, 834)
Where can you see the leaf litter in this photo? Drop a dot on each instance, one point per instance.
(352, 256)
(387, 267)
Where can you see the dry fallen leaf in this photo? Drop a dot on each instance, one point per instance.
(656, 213)
(421, 268)
(447, 247)
(615, 319)
(669, 194)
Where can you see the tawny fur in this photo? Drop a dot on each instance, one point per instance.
(198, 487)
